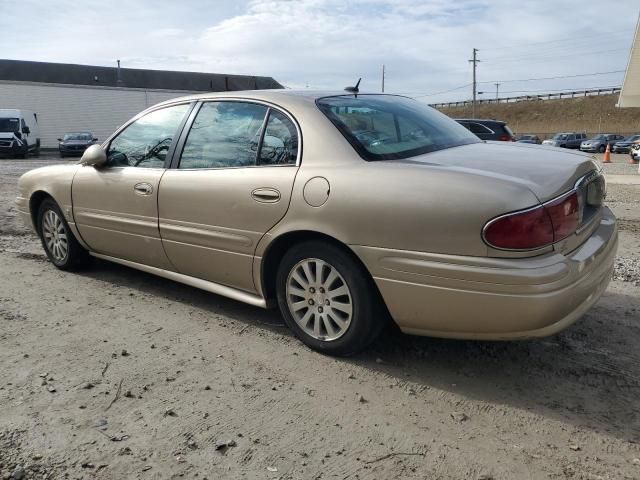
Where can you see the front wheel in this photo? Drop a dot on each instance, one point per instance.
(601, 149)
(328, 299)
(60, 245)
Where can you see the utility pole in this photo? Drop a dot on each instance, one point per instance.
(497, 87)
(383, 78)
(475, 64)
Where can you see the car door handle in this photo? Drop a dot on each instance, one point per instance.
(266, 195)
(143, 188)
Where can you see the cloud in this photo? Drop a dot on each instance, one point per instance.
(425, 45)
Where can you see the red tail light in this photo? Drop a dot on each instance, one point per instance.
(506, 138)
(565, 215)
(536, 227)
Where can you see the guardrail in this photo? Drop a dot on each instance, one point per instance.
(529, 98)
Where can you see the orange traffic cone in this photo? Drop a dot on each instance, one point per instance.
(607, 155)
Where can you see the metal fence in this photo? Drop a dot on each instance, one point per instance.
(535, 98)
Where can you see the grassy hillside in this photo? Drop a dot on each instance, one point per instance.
(595, 114)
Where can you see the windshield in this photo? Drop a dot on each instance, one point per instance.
(560, 136)
(77, 136)
(9, 125)
(632, 138)
(599, 137)
(385, 127)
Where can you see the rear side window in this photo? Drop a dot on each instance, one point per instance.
(280, 141)
(385, 127)
(478, 128)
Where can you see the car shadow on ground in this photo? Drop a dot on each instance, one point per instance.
(588, 376)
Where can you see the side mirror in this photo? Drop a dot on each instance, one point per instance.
(94, 156)
(26, 130)
(94, 139)
(59, 139)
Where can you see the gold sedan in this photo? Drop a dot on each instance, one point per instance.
(344, 209)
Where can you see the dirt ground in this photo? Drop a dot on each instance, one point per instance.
(112, 373)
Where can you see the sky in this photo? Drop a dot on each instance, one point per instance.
(328, 44)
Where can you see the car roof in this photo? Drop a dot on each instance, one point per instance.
(274, 95)
(479, 120)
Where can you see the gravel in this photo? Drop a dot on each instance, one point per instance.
(627, 270)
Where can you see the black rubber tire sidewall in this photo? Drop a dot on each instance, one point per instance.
(77, 256)
(601, 149)
(366, 322)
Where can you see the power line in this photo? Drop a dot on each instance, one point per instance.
(555, 78)
(421, 94)
(439, 93)
(545, 58)
(567, 39)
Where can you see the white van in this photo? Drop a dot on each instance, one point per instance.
(19, 133)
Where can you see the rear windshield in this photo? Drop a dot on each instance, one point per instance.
(385, 127)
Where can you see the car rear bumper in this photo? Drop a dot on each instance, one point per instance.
(493, 298)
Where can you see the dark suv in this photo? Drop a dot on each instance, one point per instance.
(488, 129)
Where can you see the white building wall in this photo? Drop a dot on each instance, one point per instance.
(68, 108)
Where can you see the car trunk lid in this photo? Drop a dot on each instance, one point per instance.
(547, 172)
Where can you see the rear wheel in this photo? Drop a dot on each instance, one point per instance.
(58, 240)
(327, 299)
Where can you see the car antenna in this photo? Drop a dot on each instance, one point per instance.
(355, 89)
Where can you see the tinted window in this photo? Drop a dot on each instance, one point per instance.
(224, 134)
(280, 141)
(146, 141)
(478, 128)
(382, 127)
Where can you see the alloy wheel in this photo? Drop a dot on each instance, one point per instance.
(55, 236)
(319, 299)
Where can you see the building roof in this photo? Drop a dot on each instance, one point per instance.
(71, 74)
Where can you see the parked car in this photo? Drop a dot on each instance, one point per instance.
(385, 207)
(75, 143)
(487, 129)
(624, 146)
(599, 142)
(529, 139)
(566, 140)
(634, 153)
(19, 133)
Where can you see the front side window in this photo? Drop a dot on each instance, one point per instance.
(223, 135)
(385, 127)
(146, 142)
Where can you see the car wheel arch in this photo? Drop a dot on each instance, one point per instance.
(35, 200)
(279, 245)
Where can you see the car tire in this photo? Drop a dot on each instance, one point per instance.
(62, 155)
(58, 241)
(328, 299)
(601, 148)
